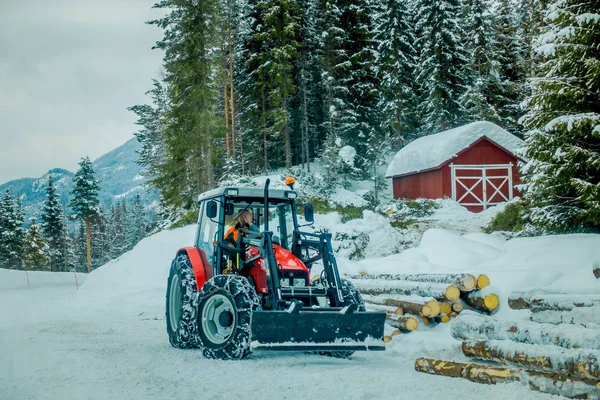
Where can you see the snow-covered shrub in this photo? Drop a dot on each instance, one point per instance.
(352, 244)
(310, 184)
(511, 219)
(406, 213)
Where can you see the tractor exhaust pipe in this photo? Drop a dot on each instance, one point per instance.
(266, 216)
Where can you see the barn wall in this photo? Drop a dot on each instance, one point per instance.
(426, 185)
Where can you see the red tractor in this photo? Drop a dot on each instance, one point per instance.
(228, 297)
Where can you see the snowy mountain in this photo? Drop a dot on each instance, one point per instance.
(117, 172)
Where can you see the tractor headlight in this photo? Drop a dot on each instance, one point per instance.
(232, 192)
(299, 282)
(291, 195)
(284, 282)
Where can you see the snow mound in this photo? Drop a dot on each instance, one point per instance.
(141, 271)
(434, 150)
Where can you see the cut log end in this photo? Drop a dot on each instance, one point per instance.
(387, 339)
(483, 281)
(452, 293)
(491, 301)
(445, 308)
(411, 324)
(444, 319)
(426, 311)
(399, 311)
(434, 308)
(469, 283)
(396, 332)
(458, 306)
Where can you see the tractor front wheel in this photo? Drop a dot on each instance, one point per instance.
(180, 313)
(224, 309)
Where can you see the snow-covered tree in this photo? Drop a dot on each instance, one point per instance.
(483, 78)
(12, 232)
(441, 65)
(35, 248)
(150, 119)
(562, 175)
(395, 68)
(53, 227)
(138, 223)
(85, 204)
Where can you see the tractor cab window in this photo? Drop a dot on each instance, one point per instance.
(281, 222)
(207, 233)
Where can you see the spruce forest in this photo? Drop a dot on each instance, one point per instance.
(250, 86)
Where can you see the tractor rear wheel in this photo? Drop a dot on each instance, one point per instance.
(180, 314)
(224, 309)
(351, 296)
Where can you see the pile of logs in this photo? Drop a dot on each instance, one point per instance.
(432, 298)
(557, 353)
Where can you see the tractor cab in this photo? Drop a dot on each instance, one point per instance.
(250, 241)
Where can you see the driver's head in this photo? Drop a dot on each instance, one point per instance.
(245, 218)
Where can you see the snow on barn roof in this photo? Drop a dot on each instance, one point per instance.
(434, 150)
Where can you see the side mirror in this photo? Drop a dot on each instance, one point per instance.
(309, 213)
(211, 209)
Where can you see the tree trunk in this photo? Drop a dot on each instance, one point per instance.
(226, 107)
(470, 325)
(403, 322)
(438, 291)
(537, 301)
(574, 362)
(231, 92)
(416, 305)
(465, 282)
(264, 129)
(88, 242)
(588, 317)
(482, 301)
(551, 383)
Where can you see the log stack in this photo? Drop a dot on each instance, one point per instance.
(561, 359)
(433, 298)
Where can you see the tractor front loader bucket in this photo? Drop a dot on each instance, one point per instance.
(314, 329)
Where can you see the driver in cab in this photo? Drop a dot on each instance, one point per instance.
(243, 221)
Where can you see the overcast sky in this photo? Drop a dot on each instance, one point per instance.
(68, 71)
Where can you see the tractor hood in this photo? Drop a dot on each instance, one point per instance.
(287, 261)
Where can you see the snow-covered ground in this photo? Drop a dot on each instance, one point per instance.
(107, 340)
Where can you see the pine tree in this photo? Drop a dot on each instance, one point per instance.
(80, 245)
(152, 154)
(85, 204)
(35, 248)
(562, 174)
(138, 224)
(442, 61)
(396, 66)
(481, 98)
(12, 233)
(53, 227)
(191, 125)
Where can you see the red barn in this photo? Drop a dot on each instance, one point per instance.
(475, 164)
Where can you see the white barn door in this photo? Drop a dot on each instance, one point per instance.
(478, 187)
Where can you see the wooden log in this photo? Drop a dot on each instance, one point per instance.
(438, 291)
(458, 306)
(445, 308)
(384, 308)
(482, 281)
(470, 325)
(396, 333)
(574, 362)
(480, 300)
(402, 322)
(473, 372)
(412, 305)
(588, 317)
(551, 383)
(464, 282)
(536, 301)
(435, 308)
(597, 271)
(387, 339)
